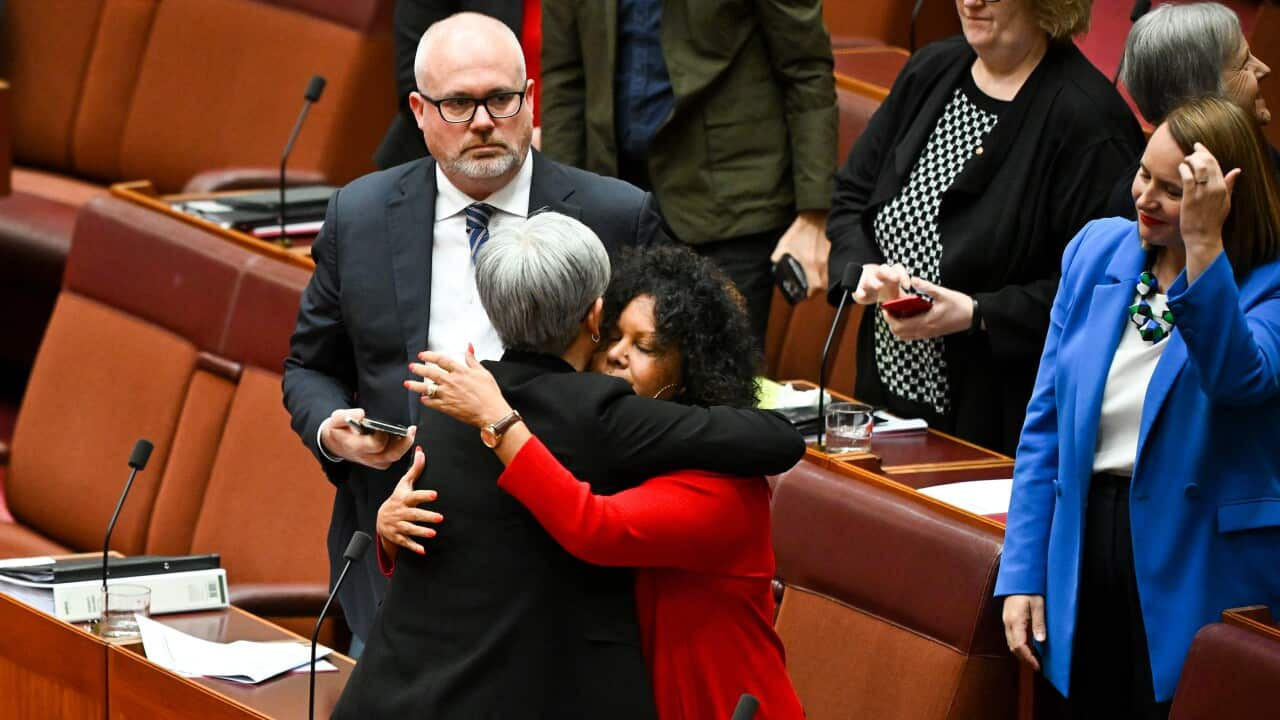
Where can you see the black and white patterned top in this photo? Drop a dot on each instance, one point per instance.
(906, 229)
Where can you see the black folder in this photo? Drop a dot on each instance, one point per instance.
(62, 571)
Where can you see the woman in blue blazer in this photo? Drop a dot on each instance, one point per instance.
(1146, 494)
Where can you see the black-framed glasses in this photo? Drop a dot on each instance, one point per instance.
(462, 109)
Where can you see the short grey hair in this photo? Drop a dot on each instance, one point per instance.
(537, 281)
(1178, 52)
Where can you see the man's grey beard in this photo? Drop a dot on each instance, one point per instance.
(486, 167)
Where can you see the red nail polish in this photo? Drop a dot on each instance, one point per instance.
(471, 349)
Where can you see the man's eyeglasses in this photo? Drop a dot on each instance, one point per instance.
(462, 109)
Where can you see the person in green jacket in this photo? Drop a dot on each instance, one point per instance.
(726, 111)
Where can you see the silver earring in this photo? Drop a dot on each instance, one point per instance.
(595, 338)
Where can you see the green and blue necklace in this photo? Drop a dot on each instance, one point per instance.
(1151, 327)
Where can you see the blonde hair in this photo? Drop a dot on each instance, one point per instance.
(1063, 19)
(1251, 232)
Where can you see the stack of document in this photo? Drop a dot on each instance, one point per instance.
(241, 661)
(71, 589)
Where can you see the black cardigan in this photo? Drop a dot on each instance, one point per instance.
(1045, 169)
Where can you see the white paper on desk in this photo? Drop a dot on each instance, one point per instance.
(889, 424)
(25, 562)
(241, 661)
(980, 497)
(204, 206)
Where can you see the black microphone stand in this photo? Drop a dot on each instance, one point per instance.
(137, 461)
(848, 283)
(355, 549)
(314, 88)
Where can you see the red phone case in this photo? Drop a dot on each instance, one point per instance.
(906, 306)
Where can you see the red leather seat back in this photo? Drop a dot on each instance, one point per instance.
(887, 611)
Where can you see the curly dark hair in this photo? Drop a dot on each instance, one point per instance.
(699, 314)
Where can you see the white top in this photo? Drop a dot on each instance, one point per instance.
(456, 315)
(457, 318)
(1131, 369)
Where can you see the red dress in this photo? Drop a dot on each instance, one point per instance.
(700, 545)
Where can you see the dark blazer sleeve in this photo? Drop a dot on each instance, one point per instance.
(854, 183)
(650, 437)
(320, 371)
(621, 214)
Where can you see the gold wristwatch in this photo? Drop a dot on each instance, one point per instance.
(492, 433)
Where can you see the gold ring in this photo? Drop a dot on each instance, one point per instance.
(432, 387)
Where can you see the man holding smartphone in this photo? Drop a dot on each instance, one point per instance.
(394, 270)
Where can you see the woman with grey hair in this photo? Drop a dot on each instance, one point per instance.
(1178, 52)
(498, 620)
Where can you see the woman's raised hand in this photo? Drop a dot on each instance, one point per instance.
(466, 392)
(1206, 201)
(399, 516)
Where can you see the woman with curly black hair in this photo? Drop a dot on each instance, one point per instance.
(700, 334)
(676, 329)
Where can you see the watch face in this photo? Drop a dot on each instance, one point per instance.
(488, 436)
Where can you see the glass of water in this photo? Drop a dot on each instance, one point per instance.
(124, 602)
(848, 427)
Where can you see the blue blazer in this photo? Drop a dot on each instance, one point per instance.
(1205, 495)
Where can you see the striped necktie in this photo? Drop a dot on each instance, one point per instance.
(478, 215)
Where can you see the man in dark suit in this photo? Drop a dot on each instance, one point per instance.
(497, 620)
(394, 269)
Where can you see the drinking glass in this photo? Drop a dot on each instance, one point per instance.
(848, 427)
(124, 602)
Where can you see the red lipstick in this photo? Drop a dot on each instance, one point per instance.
(1150, 221)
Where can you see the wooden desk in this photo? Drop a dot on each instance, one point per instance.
(50, 668)
(869, 70)
(907, 462)
(143, 193)
(140, 689)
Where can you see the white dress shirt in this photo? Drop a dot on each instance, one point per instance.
(1122, 398)
(456, 315)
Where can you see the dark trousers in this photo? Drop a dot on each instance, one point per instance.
(745, 259)
(1110, 664)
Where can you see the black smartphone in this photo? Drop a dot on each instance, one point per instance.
(367, 426)
(789, 276)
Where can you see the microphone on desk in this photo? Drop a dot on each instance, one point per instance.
(314, 88)
(137, 461)
(848, 283)
(746, 710)
(355, 550)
